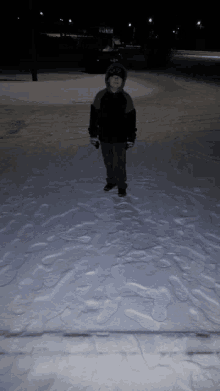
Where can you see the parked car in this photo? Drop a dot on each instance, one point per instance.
(97, 61)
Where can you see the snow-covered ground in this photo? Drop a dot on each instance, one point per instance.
(74, 258)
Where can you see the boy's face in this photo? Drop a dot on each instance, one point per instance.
(115, 82)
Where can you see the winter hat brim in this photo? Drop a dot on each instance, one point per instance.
(116, 70)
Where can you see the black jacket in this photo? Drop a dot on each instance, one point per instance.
(112, 115)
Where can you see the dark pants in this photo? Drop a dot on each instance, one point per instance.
(114, 156)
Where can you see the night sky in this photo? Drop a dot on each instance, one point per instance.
(166, 15)
(172, 12)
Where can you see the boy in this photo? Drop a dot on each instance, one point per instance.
(113, 120)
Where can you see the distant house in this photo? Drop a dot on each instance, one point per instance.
(106, 34)
(102, 29)
(103, 37)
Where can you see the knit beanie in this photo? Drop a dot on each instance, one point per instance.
(115, 70)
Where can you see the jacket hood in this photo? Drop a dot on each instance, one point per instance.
(116, 69)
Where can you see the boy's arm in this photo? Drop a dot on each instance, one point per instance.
(131, 125)
(93, 124)
(130, 119)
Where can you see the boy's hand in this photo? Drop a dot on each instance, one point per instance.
(94, 141)
(130, 144)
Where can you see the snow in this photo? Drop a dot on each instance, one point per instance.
(76, 258)
(79, 90)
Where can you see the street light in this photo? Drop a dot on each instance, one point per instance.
(70, 23)
(151, 32)
(133, 30)
(34, 52)
(199, 23)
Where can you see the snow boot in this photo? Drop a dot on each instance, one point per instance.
(109, 186)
